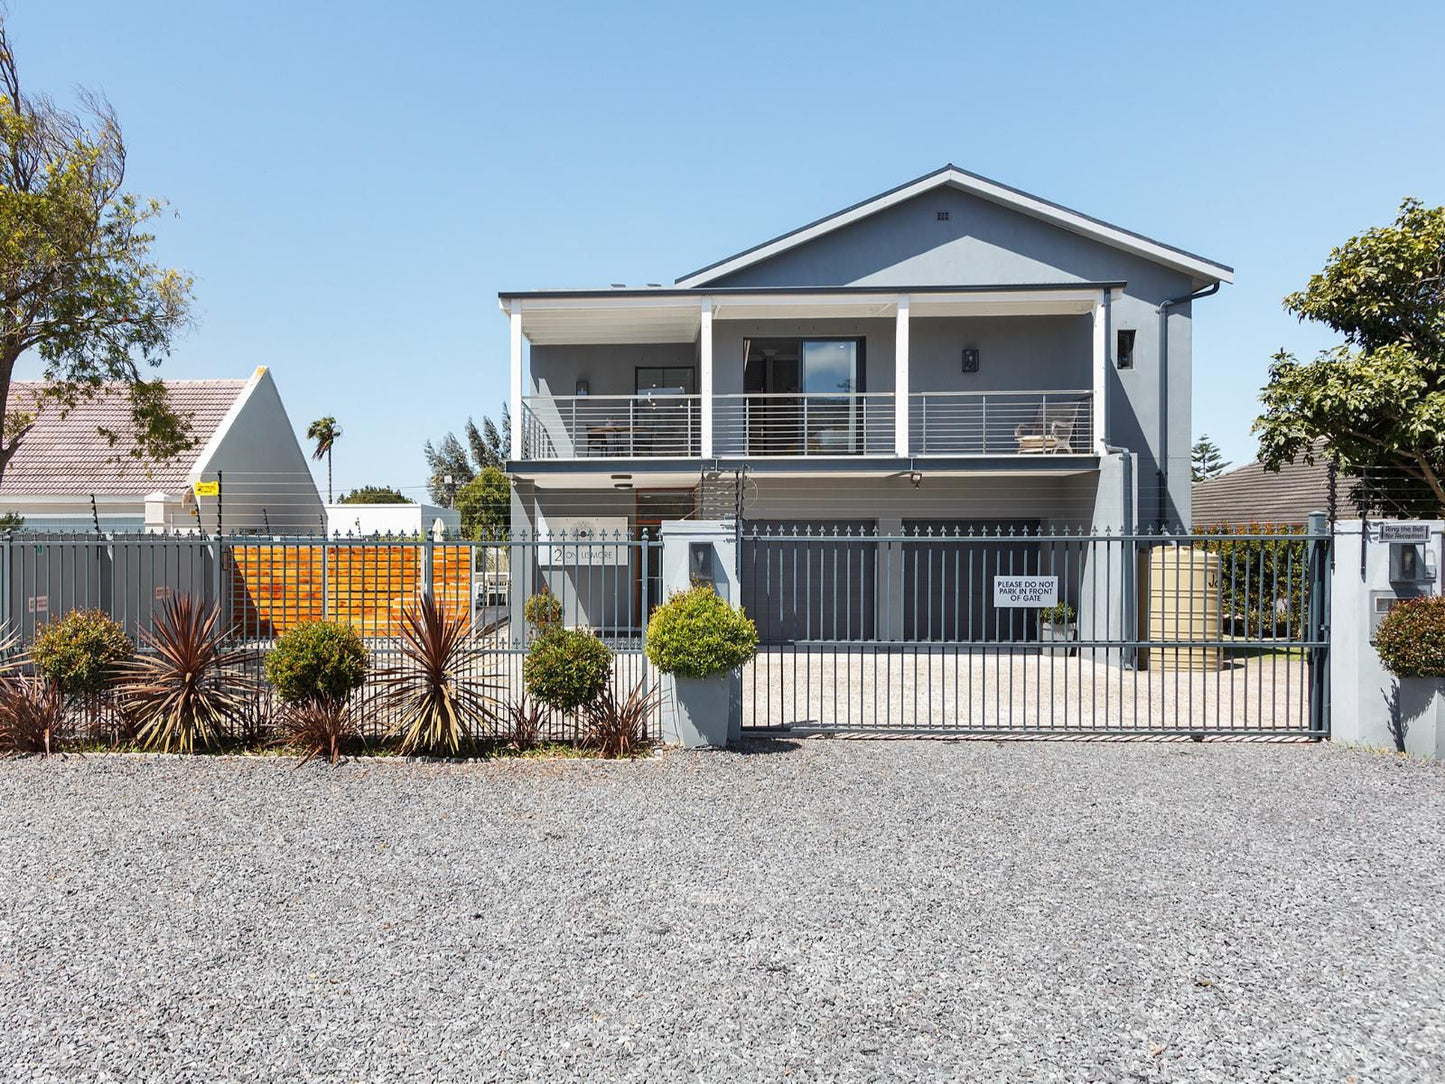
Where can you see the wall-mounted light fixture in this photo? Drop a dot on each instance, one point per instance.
(970, 359)
(916, 477)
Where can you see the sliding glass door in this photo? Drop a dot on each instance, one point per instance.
(803, 396)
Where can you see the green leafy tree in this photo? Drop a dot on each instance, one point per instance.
(1206, 460)
(488, 446)
(373, 495)
(78, 284)
(324, 433)
(1377, 402)
(486, 504)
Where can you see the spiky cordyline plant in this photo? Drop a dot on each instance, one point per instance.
(32, 710)
(187, 685)
(618, 728)
(320, 727)
(524, 718)
(440, 691)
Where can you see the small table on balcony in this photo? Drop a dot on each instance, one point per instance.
(606, 439)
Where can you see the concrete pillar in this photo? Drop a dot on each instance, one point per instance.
(888, 604)
(1368, 705)
(521, 558)
(1108, 565)
(699, 714)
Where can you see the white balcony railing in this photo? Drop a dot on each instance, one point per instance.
(659, 425)
(789, 424)
(1001, 423)
(664, 425)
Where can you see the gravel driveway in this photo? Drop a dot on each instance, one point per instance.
(805, 910)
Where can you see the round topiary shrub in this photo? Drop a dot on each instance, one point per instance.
(543, 609)
(81, 652)
(1411, 638)
(696, 633)
(566, 669)
(317, 661)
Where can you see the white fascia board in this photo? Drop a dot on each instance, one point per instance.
(989, 190)
(604, 301)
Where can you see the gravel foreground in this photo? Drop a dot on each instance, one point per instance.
(807, 910)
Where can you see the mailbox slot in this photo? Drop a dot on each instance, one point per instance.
(1409, 563)
(699, 562)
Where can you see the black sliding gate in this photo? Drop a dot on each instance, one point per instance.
(1006, 629)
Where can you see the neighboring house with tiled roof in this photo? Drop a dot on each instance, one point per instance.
(241, 439)
(1251, 494)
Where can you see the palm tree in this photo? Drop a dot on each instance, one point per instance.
(325, 432)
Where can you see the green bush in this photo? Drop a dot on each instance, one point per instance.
(1262, 577)
(317, 661)
(81, 652)
(543, 609)
(1411, 638)
(566, 669)
(696, 633)
(1060, 614)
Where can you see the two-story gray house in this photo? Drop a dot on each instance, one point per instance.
(952, 353)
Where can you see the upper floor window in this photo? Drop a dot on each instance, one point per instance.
(1124, 348)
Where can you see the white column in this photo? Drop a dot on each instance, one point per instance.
(515, 317)
(1099, 408)
(705, 386)
(900, 380)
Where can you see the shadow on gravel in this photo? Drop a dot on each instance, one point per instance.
(761, 746)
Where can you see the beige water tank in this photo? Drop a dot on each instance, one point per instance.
(1179, 597)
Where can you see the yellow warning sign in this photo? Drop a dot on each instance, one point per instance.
(207, 489)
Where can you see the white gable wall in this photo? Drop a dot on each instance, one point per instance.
(265, 476)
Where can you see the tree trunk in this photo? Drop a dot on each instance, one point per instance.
(328, 476)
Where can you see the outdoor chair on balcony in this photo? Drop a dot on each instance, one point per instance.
(1051, 431)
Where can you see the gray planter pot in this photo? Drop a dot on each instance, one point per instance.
(1052, 636)
(1417, 716)
(702, 712)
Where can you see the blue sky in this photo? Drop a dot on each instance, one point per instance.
(355, 181)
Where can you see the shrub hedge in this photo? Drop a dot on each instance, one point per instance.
(566, 668)
(1411, 638)
(697, 633)
(1262, 573)
(318, 660)
(81, 652)
(543, 609)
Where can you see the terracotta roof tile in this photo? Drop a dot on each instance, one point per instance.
(68, 455)
(1251, 494)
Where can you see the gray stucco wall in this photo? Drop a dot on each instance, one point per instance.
(983, 243)
(609, 369)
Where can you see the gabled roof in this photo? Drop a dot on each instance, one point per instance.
(951, 176)
(66, 453)
(1251, 494)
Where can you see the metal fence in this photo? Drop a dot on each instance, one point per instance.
(1002, 629)
(265, 586)
(1012, 630)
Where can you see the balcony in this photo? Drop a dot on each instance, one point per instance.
(756, 425)
(611, 426)
(793, 424)
(1001, 423)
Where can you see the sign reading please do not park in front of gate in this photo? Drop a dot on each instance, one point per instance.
(1025, 591)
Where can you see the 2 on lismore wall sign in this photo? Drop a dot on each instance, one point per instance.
(1025, 592)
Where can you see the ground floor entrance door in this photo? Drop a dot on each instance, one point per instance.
(654, 507)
